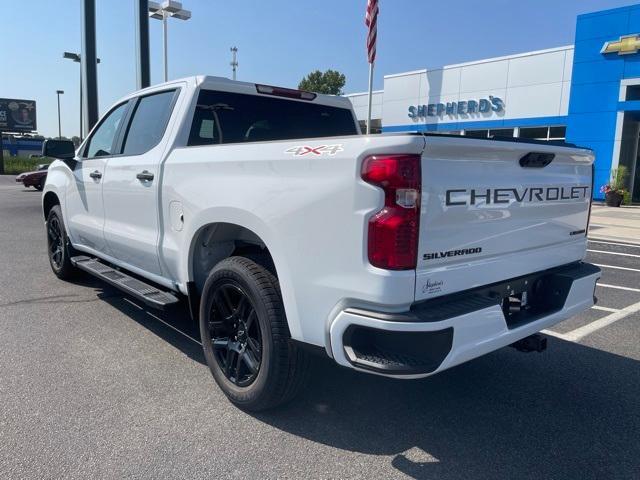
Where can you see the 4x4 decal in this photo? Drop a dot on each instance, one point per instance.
(319, 150)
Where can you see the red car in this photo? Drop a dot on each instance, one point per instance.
(34, 179)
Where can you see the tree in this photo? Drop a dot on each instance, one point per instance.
(329, 82)
(76, 140)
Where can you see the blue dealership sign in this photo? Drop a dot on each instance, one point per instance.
(484, 105)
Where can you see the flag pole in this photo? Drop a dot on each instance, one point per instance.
(370, 98)
(371, 21)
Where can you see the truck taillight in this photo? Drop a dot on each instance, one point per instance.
(394, 230)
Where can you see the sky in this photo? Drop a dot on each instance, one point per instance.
(279, 42)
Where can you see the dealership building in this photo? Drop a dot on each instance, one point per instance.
(587, 94)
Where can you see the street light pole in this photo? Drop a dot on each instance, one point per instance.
(59, 92)
(143, 77)
(162, 11)
(164, 45)
(234, 61)
(89, 65)
(76, 58)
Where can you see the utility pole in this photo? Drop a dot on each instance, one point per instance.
(234, 61)
(59, 92)
(143, 76)
(89, 65)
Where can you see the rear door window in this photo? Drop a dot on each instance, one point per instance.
(223, 117)
(150, 119)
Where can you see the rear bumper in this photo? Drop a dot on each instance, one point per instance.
(441, 333)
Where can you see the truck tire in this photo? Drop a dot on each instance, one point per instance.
(59, 248)
(246, 338)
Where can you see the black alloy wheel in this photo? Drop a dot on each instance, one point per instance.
(245, 335)
(59, 248)
(234, 332)
(55, 239)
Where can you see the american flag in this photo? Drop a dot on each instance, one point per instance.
(371, 21)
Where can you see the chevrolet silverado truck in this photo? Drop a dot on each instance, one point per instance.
(287, 231)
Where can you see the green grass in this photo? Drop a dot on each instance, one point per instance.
(17, 165)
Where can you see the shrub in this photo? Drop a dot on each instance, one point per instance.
(17, 165)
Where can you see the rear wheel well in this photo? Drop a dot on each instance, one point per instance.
(50, 200)
(217, 241)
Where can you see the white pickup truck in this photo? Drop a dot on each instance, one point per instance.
(288, 231)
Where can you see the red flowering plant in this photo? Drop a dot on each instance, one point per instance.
(618, 179)
(614, 191)
(609, 187)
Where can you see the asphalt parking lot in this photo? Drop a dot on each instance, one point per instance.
(92, 385)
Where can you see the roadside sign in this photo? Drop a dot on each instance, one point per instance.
(17, 115)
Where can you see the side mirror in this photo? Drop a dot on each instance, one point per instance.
(62, 149)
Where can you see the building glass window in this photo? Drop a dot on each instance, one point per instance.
(447, 132)
(633, 92)
(557, 133)
(477, 133)
(543, 133)
(501, 132)
(535, 133)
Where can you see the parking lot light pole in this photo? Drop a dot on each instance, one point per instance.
(76, 58)
(162, 11)
(89, 65)
(143, 74)
(59, 92)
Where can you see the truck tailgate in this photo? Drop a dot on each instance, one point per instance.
(486, 218)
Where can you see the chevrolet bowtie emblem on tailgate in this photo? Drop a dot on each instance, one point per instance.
(626, 45)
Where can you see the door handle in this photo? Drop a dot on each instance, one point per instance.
(145, 176)
(96, 175)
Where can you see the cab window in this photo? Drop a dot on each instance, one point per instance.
(150, 119)
(102, 141)
(226, 117)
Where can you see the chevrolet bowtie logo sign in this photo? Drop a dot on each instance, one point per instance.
(627, 45)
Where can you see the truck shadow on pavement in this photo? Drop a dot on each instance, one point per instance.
(570, 412)
(174, 325)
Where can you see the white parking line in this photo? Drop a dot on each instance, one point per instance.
(173, 328)
(614, 243)
(618, 268)
(628, 289)
(579, 333)
(161, 321)
(606, 309)
(614, 253)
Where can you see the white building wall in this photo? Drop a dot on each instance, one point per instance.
(531, 85)
(360, 103)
